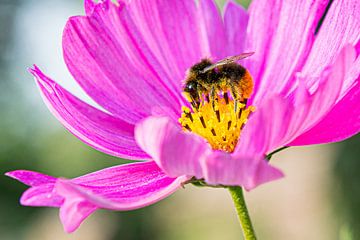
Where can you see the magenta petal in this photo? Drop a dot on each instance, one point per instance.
(263, 15)
(89, 6)
(41, 196)
(340, 27)
(123, 187)
(31, 178)
(108, 57)
(96, 128)
(235, 22)
(40, 193)
(180, 44)
(176, 152)
(128, 186)
(269, 128)
(329, 88)
(342, 122)
(280, 120)
(75, 208)
(281, 34)
(212, 29)
(175, 45)
(229, 169)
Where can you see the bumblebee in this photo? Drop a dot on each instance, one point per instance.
(205, 81)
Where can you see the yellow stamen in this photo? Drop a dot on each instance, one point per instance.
(219, 125)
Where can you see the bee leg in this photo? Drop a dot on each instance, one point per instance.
(207, 98)
(235, 97)
(195, 101)
(245, 102)
(194, 104)
(212, 97)
(226, 97)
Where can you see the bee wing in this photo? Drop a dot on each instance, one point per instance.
(228, 60)
(237, 57)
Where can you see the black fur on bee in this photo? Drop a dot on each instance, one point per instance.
(232, 71)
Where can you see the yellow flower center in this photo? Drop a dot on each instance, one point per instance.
(219, 122)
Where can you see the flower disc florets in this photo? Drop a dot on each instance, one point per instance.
(220, 126)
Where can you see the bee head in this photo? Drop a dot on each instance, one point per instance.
(195, 82)
(191, 90)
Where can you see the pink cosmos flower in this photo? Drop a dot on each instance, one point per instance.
(132, 58)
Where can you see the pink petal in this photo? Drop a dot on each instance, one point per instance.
(269, 127)
(114, 65)
(353, 73)
(281, 34)
(75, 207)
(40, 193)
(340, 27)
(235, 21)
(280, 120)
(343, 121)
(96, 128)
(325, 96)
(212, 29)
(176, 45)
(124, 187)
(41, 196)
(229, 169)
(89, 6)
(31, 178)
(176, 152)
(200, 33)
(263, 16)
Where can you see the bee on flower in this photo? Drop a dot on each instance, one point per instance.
(206, 99)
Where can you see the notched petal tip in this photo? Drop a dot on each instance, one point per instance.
(42, 80)
(90, 5)
(75, 207)
(32, 69)
(229, 4)
(35, 70)
(264, 173)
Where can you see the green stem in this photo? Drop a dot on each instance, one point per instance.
(242, 212)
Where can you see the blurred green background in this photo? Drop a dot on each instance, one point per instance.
(319, 198)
